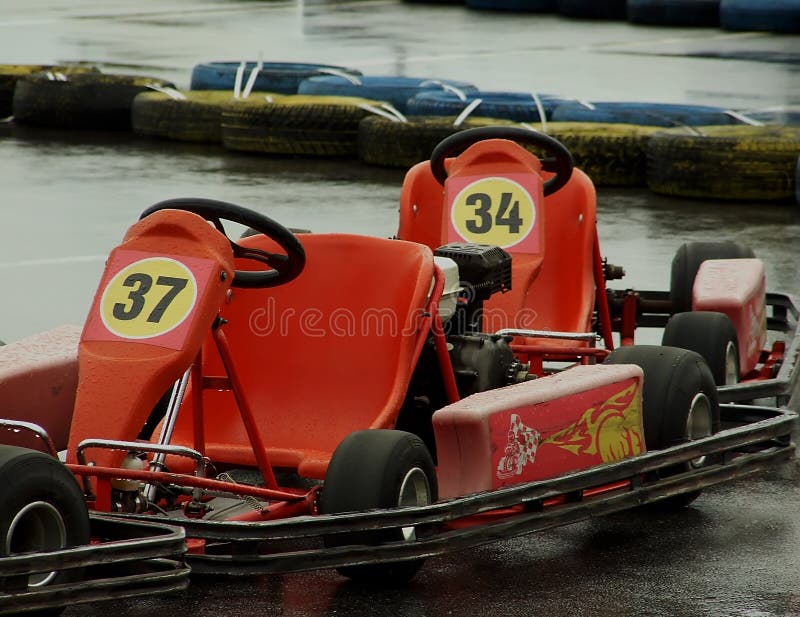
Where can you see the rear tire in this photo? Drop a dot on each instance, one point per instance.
(710, 334)
(378, 469)
(41, 508)
(687, 261)
(679, 401)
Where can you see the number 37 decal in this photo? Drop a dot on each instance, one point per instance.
(148, 298)
(495, 210)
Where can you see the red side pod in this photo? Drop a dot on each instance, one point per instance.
(157, 299)
(736, 287)
(580, 418)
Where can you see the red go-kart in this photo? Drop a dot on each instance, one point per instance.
(332, 400)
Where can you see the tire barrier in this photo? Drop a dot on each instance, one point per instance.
(395, 90)
(81, 101)
(194, 115)
(388, 143)
(684, 13)
(519, 106)
(592, 9)
(520, 6)
(611, 154)
(11, 73)
(645, 114)
(762, 15)
(724, 162)
(296, 125)
(280, 77)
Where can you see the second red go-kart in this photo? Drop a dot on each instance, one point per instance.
(333, 400)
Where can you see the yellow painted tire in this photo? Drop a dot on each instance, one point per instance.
(82, 101)
(197, 117)
(297, 125)
(11, 73)
(611, 154)
(386, 143)
(724, 162)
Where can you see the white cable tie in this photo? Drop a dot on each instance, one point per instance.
(379, 112)
(170, 92)
(251, 81)
(586, 104)
(540, 109)
(467, 111)
(394, 111)
(237, 83)
(353, 79)
(743, 118)
(530, 127)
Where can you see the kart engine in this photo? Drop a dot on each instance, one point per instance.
(481, 361)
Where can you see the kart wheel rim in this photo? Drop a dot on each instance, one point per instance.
(37, 527)
(731, 364)
(414, 491)
(698, 424)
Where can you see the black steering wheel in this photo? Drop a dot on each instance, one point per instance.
(559, 160)
(284, 268)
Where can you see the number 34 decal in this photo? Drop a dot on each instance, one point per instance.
(495, 211)
(148, 298)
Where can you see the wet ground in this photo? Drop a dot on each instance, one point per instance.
(67, 198)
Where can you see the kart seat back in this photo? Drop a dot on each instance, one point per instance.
(327, 354)
(560, 296)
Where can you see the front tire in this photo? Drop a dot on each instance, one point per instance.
(41, 509)
(378, 469)
(679, 399)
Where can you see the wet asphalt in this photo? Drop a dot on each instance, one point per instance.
(68, 198)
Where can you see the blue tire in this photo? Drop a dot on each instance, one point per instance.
(645, 114)
(280, 77)
(520, 6)
(700, 13)
(395, 90)
(518, 106)
(592, 9)
(761, 15)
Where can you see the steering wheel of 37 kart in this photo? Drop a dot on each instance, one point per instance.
(558, 161)
(283, 267)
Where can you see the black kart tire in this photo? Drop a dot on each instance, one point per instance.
(368, 470)
(41, 508)
(196, 118)
(84, 101)
(710, 334)
(679, 400)
(303, 125)
(724, 162)
(687, 261)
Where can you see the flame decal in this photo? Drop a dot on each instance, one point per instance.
(612, 430)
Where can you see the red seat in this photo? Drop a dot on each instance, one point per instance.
(330, 353)
(560, 295)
